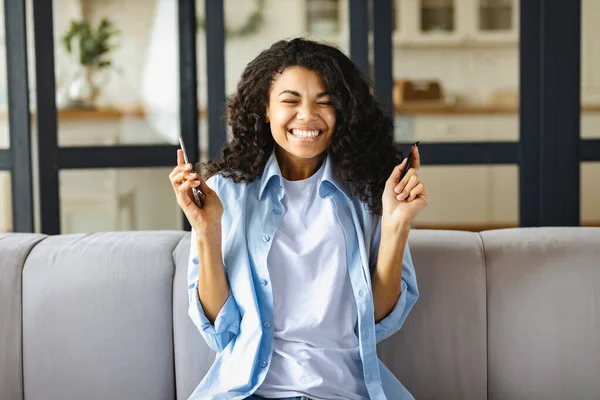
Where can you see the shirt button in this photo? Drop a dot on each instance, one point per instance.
(195, 260)
(276, 211)
(266, 238)
(263, 282)
(267, 324)
(263, 364)
(361, 293)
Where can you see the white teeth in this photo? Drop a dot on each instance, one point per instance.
(305, 134)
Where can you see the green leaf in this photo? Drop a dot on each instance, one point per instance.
(93, 44)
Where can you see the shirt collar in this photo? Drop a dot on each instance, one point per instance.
(330, 180)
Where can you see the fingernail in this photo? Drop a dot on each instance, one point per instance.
(400, 196)
(398, 189)
(197, 182)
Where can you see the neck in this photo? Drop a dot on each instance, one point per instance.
(297, 169)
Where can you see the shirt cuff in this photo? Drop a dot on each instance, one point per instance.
(394, 320)
(228, 318)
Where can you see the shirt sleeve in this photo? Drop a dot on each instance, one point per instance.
(227, 323)
(408, 294)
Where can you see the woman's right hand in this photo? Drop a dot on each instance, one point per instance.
(206, 221)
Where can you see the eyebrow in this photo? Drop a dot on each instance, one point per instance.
(294, 93)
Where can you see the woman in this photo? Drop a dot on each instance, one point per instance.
(299, 263)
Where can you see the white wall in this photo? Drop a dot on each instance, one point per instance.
(472, 72)
(476, 72)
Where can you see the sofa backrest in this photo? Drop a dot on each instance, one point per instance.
(504, 314)
(97, 316)
(440, 352)
(543, 297)
(507, 314)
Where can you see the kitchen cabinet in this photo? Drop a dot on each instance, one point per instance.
(470, 197)
(590, 51)
(425, 22)
(456, 22)
(457, 128)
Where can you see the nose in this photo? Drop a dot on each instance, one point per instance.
(306, 113)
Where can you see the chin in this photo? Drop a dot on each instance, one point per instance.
(302, 153)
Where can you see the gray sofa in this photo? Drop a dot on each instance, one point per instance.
(506, 314)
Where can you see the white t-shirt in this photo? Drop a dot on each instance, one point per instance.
(315, 347)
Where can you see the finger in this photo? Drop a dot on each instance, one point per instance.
(410, 185)
(204, 188)
(396, 173)
(416, 191)
(416, 158)
(402, 184)
(180, 159)
(185, 194)
(183, 175)
(179, 168)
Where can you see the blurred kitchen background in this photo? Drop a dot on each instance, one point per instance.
(456, 79)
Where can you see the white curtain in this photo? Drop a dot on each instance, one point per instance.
(160, 76)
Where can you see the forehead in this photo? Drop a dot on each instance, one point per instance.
(299, 79)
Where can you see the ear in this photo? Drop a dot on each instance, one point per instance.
(267, 120)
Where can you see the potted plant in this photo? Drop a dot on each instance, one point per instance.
(91, 51)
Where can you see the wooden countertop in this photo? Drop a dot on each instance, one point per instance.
(427, 108)
(99, 113)
(424, 108)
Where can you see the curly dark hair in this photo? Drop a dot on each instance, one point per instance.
(362, 144)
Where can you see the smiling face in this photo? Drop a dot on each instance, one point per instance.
(302, 119)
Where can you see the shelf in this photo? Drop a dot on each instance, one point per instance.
(95, 114)
(431, 108)
(426, 108)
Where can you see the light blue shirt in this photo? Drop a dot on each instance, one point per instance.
(242, 332)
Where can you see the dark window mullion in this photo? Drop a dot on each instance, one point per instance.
(530, 125)
(215, 70)
(561, 113)
(46, 116)
(359, 34)
(18, 116)
(5, 160)
(188, 83)
(469, 153)
(550, 112)
(383, 53)
(589, 150)
(117, 157)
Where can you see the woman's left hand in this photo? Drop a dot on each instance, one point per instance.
(404, 198)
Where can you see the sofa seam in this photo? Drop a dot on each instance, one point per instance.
(179, 243)
(487, 330)
(41, 237)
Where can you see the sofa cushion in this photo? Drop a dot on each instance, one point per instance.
(193, 357)
(543, 313)
(14, 248)
(97, 317)
(440, 352)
